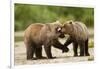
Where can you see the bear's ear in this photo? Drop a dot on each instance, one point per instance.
(70, 22)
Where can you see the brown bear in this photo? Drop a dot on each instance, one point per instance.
(38, 34)
(78, 35)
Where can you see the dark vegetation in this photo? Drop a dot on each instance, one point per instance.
(26, 14)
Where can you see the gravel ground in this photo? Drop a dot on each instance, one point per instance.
(20, 56)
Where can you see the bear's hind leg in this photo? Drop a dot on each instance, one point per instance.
(86, 48)
(30, 51)
(82, 48)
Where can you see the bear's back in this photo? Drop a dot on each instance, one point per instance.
(33, 30)
(81, 31)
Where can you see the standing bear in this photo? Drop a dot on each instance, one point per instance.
(78, 35)
(38, 34)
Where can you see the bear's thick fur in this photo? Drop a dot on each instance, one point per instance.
(38, 34)
(79, 35)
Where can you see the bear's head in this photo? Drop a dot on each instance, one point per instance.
(68, 27)
(53, 30)
(58, 29)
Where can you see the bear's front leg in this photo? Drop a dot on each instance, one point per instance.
(38, 53)
(75, 46)
(48, 52)
(68, 41)
(60, 46)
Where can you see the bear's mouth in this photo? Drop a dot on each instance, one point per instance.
(62, 35)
